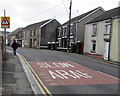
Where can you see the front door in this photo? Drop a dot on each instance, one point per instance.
(30, 43)
(64, 42)
(106, 51)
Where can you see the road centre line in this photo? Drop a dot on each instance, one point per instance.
(42, 90)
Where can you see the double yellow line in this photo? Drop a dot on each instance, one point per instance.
(44, 90)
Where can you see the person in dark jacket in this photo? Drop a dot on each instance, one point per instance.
(14, 46)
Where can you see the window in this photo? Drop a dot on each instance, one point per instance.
(59, 42)
(94, 29)
(93, 46)
(66, 31)
(71, 30)
(108, 28)
(63, 31)
(25, 42)
(71, 41)
(26, 34)
(31, 33)
(35, 32)
(59, 31)
(35, 42)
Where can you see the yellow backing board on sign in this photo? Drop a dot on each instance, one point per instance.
(5, 22)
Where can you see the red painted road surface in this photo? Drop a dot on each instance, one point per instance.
(69, 73)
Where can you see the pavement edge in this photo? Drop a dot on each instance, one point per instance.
(28, 74)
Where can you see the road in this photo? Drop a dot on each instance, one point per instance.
(63, 73)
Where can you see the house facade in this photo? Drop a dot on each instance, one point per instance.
(36, 35)
(16, 35)
(115, 42)
(77, 29)
(98, 34)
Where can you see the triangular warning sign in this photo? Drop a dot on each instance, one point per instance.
(5, 21)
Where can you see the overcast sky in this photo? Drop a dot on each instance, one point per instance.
(25, 12)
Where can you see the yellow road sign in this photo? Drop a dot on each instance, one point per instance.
(5, 22)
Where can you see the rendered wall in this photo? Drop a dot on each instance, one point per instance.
(115, 43)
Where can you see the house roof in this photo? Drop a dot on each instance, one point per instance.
(83, 15)
(107, 15)
(15, 32)
(31, 26)
(36, 24)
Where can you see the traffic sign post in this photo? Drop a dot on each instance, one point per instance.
(5, 23)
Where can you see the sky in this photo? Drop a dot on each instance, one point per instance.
(26, 12)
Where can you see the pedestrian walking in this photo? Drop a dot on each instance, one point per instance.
(14, 46)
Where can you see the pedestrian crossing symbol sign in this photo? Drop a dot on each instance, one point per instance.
(5, 22)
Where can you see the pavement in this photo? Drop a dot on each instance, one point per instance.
(14, 80)
(99, 58)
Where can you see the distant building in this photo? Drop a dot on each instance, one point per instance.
(36, 35)
(77, 29)
(39, 34)
(16, 35)
(101, 35)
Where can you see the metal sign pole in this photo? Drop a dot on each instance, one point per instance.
(4, 37)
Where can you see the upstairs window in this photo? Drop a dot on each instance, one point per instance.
(66, 30)
(31, 32)
(94, 30)
(35, 32)
(71, 30)
(107, 28)
(59, 32)
(26, 34)
(63, 31)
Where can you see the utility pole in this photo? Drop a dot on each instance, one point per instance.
(69, 27)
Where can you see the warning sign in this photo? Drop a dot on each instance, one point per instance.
(5, 22)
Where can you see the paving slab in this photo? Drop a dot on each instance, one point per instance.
(14, 80)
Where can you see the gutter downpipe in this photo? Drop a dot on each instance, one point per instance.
(39, 37)
(110, 41)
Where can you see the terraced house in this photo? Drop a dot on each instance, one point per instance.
(101, 35)
(37, 35)
(77, 29)
(17, 35)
